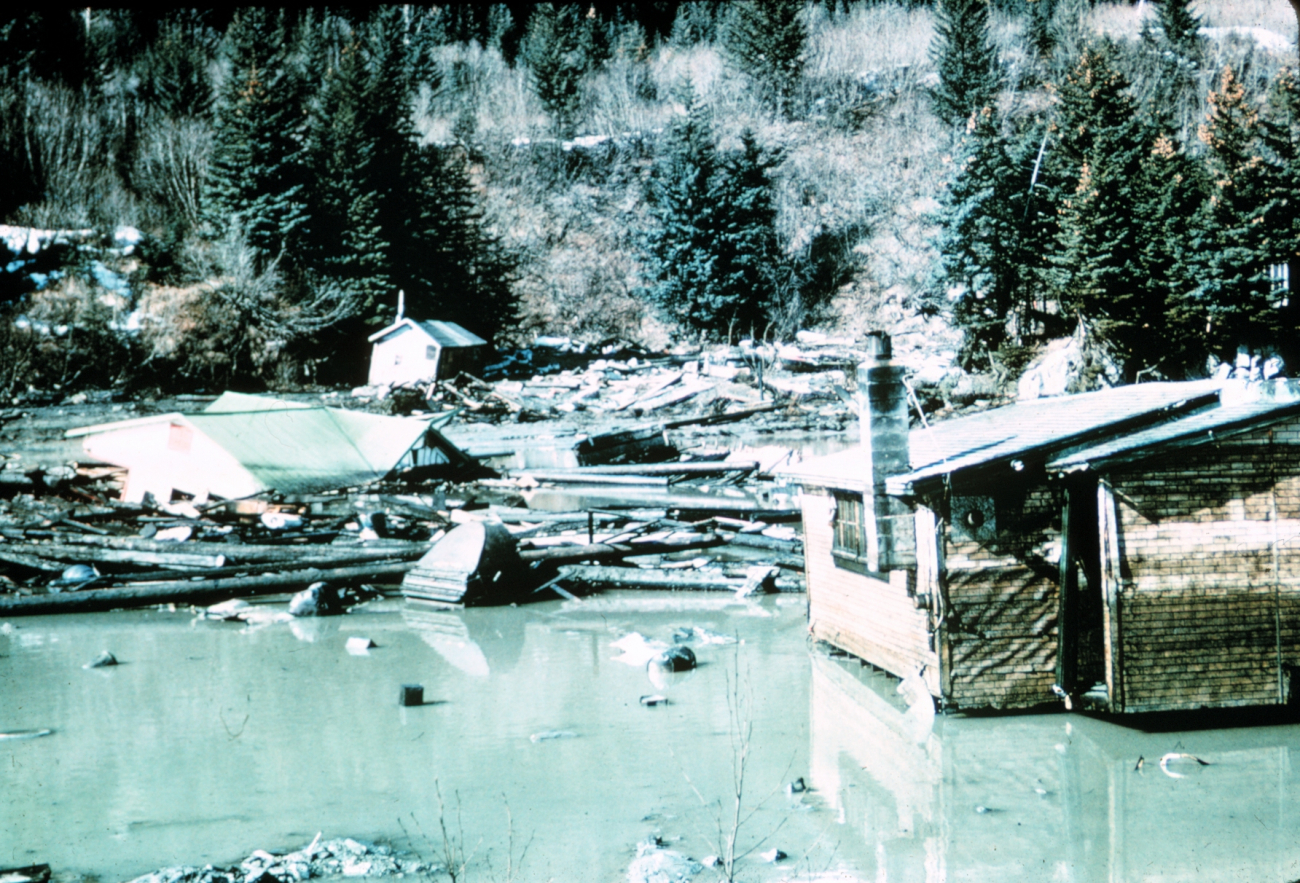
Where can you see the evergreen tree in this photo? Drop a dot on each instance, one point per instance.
(712, 253)
(1236, 244)
(562, 45)
(966, 59)
(1281, 137)
(767, 39)
(449, 263)
(257, 178)
(988, 248)
(1171, 188)
(1170, 79)
(174, 72)
(1097, 264)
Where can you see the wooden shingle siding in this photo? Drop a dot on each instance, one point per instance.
(1209, 605)
(871, 618)
(1001, 627)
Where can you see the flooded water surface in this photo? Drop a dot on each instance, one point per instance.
(212, 739)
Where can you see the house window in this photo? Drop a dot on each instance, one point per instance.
(849, 542)
(431, 352)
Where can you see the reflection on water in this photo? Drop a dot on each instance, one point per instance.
(212, 739)
(1053, 797)
(215, 738)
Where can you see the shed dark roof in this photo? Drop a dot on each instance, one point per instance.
(1042, 427)
(1200, 428)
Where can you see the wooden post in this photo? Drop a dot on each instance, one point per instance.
(1108, 519)
(1067, 617)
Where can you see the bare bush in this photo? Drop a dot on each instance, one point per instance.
(71, 146)
(172, 162)
(477, 86)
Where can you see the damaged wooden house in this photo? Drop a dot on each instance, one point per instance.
(242, 445)
(1128, 550)
(412, 352)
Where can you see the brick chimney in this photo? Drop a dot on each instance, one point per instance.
(890, 528)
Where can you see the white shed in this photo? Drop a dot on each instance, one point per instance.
(409, 351)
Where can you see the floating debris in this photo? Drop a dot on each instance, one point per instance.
(102, 660)
(331, 858)
(550, 735)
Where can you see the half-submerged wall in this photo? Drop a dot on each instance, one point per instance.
(1002, 554)
(1208, 578)
(879, 620)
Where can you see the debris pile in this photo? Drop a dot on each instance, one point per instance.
(603, 466)
(331, 858)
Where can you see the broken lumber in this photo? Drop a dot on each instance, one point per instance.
(191, 591)
(712, 467)
(566, 476)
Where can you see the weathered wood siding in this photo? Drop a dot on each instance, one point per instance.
(876, 620)
(1003, 594)
(1209, 587)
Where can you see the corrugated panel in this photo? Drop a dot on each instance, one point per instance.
(235, 402)
(301, 450)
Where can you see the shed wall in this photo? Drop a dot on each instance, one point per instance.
(876, 620)
(1209, 611)
(1002, 592)
(403, 357)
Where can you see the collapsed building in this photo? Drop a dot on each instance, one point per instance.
(1132, 549)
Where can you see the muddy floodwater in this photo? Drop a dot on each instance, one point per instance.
(212, 739)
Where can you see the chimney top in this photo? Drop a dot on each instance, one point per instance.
(878, 346)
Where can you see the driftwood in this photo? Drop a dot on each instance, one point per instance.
(190, 591)
(560, 476)
(249, 553)
(719, 467)
(646, 578)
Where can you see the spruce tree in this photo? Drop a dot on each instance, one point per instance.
(1237, 244)
(1281, 138)
(257, 178)
(1171, 188)
(767, 39)
(712, 255)
(986, 242)
(966, 59)
(562, 45)
(1096, 266)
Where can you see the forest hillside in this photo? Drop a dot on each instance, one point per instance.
(200, 198)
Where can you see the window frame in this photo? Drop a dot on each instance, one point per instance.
(849, 531)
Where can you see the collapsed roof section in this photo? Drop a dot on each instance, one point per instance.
(242, 445)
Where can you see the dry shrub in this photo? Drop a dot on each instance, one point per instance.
(73, 342)
(870, 38)
(477, 97)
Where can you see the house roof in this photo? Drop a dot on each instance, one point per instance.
(298, 448)
(447, 334)
(1199, 428)
(1038, 428)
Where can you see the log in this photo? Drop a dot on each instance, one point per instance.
(758, 541)
(252, 552)
(714, 467)
(561, 476)
(189, 591)
(640, 578)
(89, 554)
(615, 550)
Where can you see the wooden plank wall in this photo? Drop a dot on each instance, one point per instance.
(873, 619)
(1209, 599)
(1001, 625)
